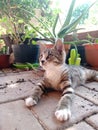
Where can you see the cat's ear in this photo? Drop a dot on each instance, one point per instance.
(41, 46)
(59, 45)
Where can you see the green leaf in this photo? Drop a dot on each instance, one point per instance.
(20, 21)
(39, 21)
(69, 15)
(55, 24)
(4, 19)
(96, 40)
(40, 32)
(70, 27)
(34, 42)
(20, 65)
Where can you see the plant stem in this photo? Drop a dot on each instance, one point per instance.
(39, 21)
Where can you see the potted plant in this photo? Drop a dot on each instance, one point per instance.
(91, 51)
(66, 28)
(28, 49)
(22, 45)
(13, 19)
(88, 49)
(4, 56)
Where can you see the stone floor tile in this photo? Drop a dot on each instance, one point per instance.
(92, 85)
(81, 126)
(45, 109)
(16, 77)
(93, 120)
(16, 91)
(16, 86)
(89, 94)
(15, 116)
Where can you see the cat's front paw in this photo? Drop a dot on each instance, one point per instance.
(63, 115)
(30, 102)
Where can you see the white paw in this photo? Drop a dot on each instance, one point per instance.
(63, 115)
(30, 102)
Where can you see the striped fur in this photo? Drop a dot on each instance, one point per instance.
(61, 77)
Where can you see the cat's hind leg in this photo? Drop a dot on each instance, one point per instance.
(36, 95)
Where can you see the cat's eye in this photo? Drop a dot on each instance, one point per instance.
(49, 56)
(41, 55)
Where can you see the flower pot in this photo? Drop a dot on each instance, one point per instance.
(91, 52)
(67, 47)
(26, 53)
(43, 44)
(4, 61)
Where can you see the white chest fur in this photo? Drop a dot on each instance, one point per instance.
(53, 74)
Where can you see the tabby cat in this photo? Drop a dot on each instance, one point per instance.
(61, 77)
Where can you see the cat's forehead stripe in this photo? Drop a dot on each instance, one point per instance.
(48, 51)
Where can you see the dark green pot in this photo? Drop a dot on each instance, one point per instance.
(26, 53)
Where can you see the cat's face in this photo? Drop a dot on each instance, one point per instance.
(54, 56)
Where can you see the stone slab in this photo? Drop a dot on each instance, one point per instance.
(16, 91)
(18, 86)
(92, 85)
(45, 109)
(81, 126)
(15, 116)
(89, 94)
(29, 75)
(93, 120)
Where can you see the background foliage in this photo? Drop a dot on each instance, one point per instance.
(14, 20)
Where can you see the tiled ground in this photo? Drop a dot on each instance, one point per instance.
(15, 86)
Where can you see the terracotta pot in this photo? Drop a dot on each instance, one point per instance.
(67, 47)
(44, 44)
(4, 61)
(49, 45)
(91, 52)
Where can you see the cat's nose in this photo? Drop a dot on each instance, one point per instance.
(42, 61)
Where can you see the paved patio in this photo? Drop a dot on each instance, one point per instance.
(15, 86)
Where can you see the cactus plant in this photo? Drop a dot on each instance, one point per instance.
(74, 58)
